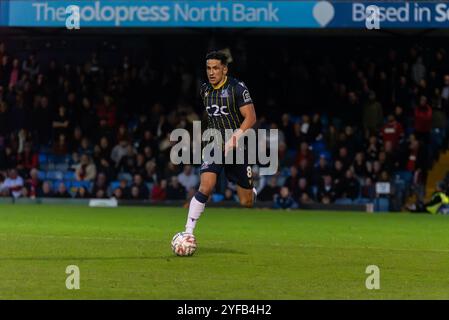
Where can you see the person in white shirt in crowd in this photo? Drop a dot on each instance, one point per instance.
(187, 179)
(13, 184)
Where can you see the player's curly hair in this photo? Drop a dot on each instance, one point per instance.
(218, 55)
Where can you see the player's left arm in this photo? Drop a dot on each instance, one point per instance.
(249, 115)
(247, 110)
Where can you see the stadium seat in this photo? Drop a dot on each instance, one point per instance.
(50, 158)
(41, 175)
(343, 201)
(55, 175)
(125, 176)
(405, 176)
(362, 201)
(217, 197)
(85, 184)
(42, 159)
(318, 147)
(114, 185)
(61, 166)
(58, 182)
(314, 191)
(285, 172)
(381, 204)
(69, 175)
(326, 154)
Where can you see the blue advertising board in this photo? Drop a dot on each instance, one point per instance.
(224, 14)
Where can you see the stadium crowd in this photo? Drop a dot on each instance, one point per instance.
(100, 127)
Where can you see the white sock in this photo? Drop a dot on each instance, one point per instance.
(255, 194)
(195, 210)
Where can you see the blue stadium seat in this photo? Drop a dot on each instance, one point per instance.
(405, 176)
(343, 201)
(42, 158)
(50, 158)
(41, 175)
(362, 201)
(326, 155)
(318, 147)
(114, 185)
(55, 175)
(61, 166)
(125, 176)
(58, 182)
(217, 197)
(382, 205)
(69, 175)
(314, 191)
(285, 172)
(85, 184)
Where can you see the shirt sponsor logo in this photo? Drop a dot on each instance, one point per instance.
(246, 96)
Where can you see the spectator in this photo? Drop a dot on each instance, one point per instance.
(304, 193)
(320, 170)
(159, 191)
(304, 154)
(82, 193)
(118, 194)
(101, 194)
(292, 180)
(62, 192)
(284, 200)
(229, 195)
(101, 183)
(42, 121)
(175, 191)
(270, 189)
(4, 118)
(86, 117)
(13, 184)
(140, 166)
(327, 189)
(418, 70)
(128, 161)
(33, 184)
(392, 131)
(75, 142)
(85, 170)
(61, 122)
(27, 159)
(85, 147)
(141, 187)
(107, 111)
(3, 191)
(368, 189)
(187, 179)
(45, 190)
(445, 95)
(135, 193)
(350, 186)
(119, 151)
(126, 190)
(423, 121)
(61, 147)
(372, 114)
(150, 175)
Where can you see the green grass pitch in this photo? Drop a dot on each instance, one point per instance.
(124, 253)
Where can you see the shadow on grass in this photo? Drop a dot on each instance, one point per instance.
(203, 251)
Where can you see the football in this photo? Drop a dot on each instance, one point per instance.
(183, 244)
